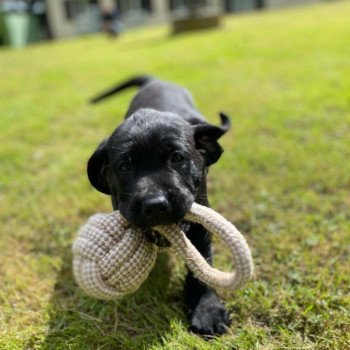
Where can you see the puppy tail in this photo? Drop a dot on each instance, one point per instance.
(137, 81)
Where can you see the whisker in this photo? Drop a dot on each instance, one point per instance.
(129, 194)
(114, 147)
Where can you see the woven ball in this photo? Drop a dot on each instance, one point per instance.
(111, 258)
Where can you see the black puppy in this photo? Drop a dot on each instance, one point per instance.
(154, 166)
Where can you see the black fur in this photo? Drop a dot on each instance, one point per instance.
(154, 166)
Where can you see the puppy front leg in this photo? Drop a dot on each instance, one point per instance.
(207, 315)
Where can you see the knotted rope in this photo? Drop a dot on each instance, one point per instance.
(111, 258)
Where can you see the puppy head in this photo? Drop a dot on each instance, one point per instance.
(152, 165)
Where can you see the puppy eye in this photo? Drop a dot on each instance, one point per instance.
(125, 166)
(177, 157)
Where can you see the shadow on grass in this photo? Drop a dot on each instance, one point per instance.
(137, 321)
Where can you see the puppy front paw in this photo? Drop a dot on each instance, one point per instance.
(210, 317)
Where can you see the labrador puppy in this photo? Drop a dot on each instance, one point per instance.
(154, 166)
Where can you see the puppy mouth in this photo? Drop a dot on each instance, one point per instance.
(147, 223)
(152, 235)
(160, 241)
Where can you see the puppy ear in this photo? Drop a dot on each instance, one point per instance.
(206, 137)
(96, 168)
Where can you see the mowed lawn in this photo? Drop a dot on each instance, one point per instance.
(284, 180)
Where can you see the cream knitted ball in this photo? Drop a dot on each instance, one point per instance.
(111, 258)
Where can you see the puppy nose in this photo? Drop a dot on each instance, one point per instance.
(154, 206)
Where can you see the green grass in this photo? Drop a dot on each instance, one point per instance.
(284, 180)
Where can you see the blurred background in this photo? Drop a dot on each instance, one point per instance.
(26, 21)
(279, 68)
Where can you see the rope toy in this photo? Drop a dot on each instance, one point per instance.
(112, 259)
